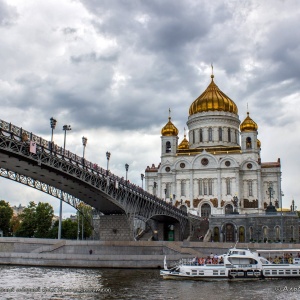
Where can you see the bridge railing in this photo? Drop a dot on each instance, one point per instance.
(27, 136)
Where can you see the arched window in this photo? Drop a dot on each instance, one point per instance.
(250, 190)
(248, 143)
(251, 233)
(220, 134)
(265, 233)
(210, 134)
(228, 209)
(182, 188)
(167, 190)
(229, 135)
(168, 147)
(209, 186)
(154, 188)
(241, 234)
(216, 234)
(200, 187)
(229, 233)
(193, 136)
(228, 186)
(292, 233)
(205, 210)
(205, 187)
(277, 233)
(201, 135)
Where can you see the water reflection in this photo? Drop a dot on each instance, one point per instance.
(59, 283)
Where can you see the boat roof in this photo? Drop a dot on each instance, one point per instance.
(278, 250)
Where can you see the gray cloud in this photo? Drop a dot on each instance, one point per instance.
(112, 69)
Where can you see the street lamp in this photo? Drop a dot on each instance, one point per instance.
(270, 208)
(142, 177)
(84, 142)
(281, 195)
(65, 129)
(165, 194)
(126, 169)
(108, 157)
(52, 124)
(174, 196)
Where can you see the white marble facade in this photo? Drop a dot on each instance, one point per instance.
(219, 162)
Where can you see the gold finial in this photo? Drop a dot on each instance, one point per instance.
(184, 132)
(247, 109)
(212, 71)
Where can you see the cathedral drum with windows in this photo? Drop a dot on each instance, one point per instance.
(217, 170)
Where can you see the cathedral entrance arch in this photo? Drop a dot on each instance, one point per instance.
(229, 233)
(228, 209)
(205, 210)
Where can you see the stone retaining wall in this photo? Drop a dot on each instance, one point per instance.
(111, 254)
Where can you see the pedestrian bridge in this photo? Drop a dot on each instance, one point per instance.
(67, 176)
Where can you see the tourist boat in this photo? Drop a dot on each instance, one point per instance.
(236, 264)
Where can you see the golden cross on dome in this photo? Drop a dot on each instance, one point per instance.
(184, 131)
(212, 71)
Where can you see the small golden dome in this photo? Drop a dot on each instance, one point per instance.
(248, 124)
(258, 144)
(184, 144)
(213, 99)
(169, 129)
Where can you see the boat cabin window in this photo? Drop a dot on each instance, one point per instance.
(237, 252)
(264, 261)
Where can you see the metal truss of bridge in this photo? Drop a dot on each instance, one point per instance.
(72, 179)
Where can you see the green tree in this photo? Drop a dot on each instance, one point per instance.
(86, 215)
(36, 220)
(27, 221)
(6, 213)
(44, 214)
(68, 230)
(14, 224)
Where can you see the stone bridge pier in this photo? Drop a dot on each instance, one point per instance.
(121, 228)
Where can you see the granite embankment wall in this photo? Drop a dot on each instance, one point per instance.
(109, 254)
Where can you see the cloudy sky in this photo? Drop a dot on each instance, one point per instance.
(113, 68)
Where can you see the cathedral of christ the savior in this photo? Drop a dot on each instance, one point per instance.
(217, 170)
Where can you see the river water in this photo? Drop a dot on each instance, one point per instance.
(71, 283)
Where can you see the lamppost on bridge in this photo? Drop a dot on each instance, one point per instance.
(165, 190)
(53, 125)
(174, 196)
(107, 157)
(65, 129)
(142, 177)
(84, 142)
(126, 169)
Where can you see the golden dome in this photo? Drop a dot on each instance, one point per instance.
(213, 99)
(248, 124)
(184, 144)
(258, 143)
(169, 129)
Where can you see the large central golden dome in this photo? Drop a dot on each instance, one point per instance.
(213, 99)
